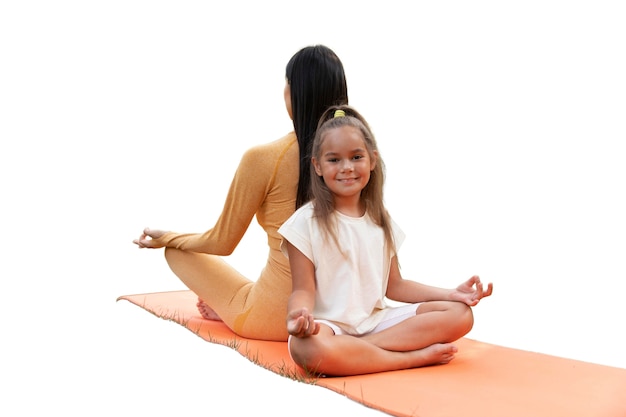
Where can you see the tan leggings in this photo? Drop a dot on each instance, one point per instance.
(252, 309)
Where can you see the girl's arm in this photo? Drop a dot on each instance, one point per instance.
(399, 289)
(300, 321)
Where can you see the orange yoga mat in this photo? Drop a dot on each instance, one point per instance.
(484, 380)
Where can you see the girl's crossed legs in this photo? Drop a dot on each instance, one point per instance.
(411, 336)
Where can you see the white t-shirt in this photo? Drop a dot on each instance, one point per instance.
(351, 286)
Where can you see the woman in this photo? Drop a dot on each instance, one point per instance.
(272, 180)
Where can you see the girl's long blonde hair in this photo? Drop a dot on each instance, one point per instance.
(371, 195)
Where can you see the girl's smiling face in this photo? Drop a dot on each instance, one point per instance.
(345, 163)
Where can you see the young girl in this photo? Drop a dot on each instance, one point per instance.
(342, 249)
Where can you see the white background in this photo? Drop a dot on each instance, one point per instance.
(502, 127)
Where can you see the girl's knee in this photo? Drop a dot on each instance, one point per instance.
(465, 318)
(460, 318)
(306, 352)
(468, 319)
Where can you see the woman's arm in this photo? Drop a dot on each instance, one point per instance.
(300, 321)
(246, 194)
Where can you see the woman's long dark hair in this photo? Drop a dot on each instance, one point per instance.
(317, 81)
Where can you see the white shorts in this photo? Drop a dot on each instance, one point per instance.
(393, 316)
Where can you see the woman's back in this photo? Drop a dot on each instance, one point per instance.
(279, 161)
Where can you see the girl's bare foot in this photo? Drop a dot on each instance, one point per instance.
(206, 311)
(437, 354)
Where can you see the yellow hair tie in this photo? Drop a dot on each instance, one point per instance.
(340, 113)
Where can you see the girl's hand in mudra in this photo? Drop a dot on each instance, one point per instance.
(471, 291)
(300, 323)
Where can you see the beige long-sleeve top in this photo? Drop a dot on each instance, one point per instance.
(264, 185)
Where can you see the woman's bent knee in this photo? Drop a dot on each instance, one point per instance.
(171, 253)
(175, 257)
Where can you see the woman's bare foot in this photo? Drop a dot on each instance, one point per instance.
(206, 311)
(437, 354)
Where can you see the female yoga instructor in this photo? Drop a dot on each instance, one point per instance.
(272, 180)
